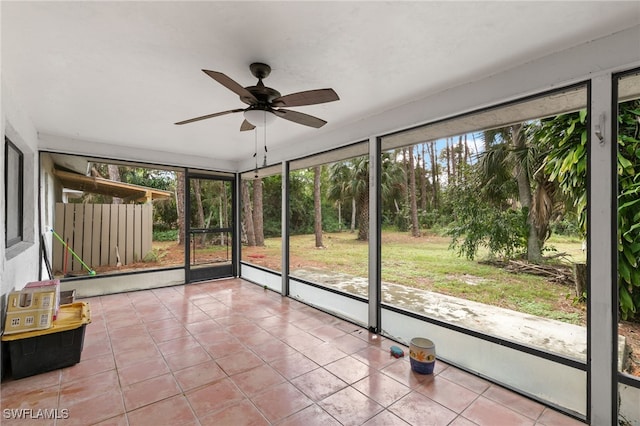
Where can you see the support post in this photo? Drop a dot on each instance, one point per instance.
(375, 292)
(602, 389)
(285, 228)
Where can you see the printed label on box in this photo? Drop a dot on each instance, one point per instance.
(22, 321)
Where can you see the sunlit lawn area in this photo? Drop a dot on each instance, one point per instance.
(427, 263)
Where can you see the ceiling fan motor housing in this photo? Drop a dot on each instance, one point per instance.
(263, 94)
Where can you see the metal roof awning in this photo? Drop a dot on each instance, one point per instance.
(95, 185)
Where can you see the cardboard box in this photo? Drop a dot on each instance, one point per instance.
(21, 321)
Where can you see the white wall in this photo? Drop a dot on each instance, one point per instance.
(19, 264)
(110, 284)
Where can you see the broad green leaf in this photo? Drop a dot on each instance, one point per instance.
(624, 163)
(631, 259)
(625, 299)
(623, 270)
(632, 228)
(629, 204)
(583, 115)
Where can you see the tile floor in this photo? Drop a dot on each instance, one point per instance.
(230, 353)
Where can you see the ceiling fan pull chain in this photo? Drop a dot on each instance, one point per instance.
(264, 161)
(255, 153)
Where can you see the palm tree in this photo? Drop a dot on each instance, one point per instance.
(358, 185)
(258, 215)
(248, 215)
(350, 180)
(415, 226)
(180, 195)
(340, 190)
(434, 174)
(509, 158)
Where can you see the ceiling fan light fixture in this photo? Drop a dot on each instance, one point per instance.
(259, 117)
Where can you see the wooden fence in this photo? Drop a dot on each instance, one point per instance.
(97, 232)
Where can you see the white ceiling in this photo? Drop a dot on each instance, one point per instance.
(122, 73)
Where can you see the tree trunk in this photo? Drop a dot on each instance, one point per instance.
(339, 216)
(180, 192)
(434, 175)
(453, 159)
(258, 216)
(248, 216)
(224, 216)
(114, 174)
(407, 173)
(353, 215)
(317, 206)
(220, 215)
(475, 145)
(363, 215)
(200, 216)
(198, 193)
(466, 151)
(449, 180)
(415, 225)
(580, 278)
(423, 175)
(457, 158)
(524, 191)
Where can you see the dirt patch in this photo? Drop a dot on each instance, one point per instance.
(399, 237)
(165, 254)
(631, 331)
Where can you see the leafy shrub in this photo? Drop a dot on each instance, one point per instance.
(272, 227)
(431, 219)
(478, 224)
(153, 256)
(169, 235)
(567, 227)
(161, 226)
(402, 222)
(331, 224)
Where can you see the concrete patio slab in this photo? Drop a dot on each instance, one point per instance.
(550, 335)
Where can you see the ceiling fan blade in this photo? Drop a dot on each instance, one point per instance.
(204, 117)
(231, 85)
(246, 126)
(310, 97)
(300, 118)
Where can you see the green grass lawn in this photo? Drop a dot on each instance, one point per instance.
(427, 263)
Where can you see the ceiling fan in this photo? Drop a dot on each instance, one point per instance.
(265, 103)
